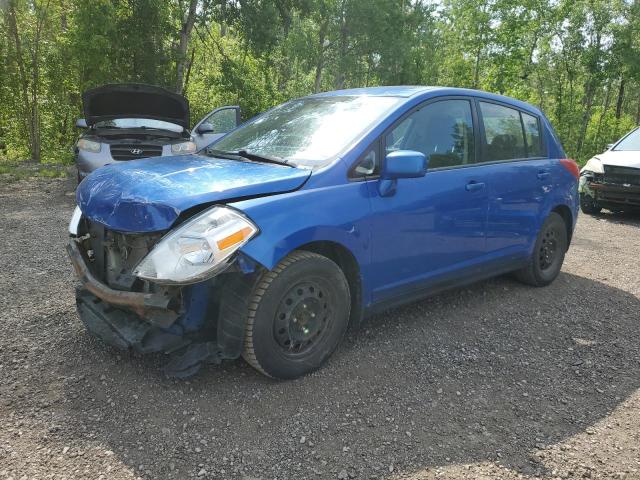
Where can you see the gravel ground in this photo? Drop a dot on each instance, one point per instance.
(496, 380)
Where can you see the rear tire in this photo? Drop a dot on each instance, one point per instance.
(588, 205)
(298, 314)
(548, 253)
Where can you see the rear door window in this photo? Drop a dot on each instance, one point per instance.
(503, 133)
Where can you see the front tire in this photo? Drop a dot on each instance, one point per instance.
(588, 205)
(548, 253)
(298, 314)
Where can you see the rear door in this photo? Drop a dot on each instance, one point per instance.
(520, 173)
(432, 228)
(215, 124)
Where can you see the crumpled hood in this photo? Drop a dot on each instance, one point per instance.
(620, 158)
(148, 195)
(134, 100)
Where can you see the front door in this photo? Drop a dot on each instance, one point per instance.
(215, 125)
(432, 228)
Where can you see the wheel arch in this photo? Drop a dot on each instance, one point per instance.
(346, 260)
(566, 214)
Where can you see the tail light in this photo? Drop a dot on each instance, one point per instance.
(571, 166)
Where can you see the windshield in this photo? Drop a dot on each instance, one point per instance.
(139, 123)
(630, 143)
(308, 132)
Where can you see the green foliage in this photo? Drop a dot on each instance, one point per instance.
(578, 60)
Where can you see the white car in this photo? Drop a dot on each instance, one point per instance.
(611, 180)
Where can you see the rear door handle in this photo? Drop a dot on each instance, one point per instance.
(472, 186)
(543, 174)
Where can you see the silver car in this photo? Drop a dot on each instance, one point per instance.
(132, 121)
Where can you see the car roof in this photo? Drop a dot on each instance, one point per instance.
(390, 91)
(407, 91)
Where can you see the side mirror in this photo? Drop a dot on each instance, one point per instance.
(400, 164)
(609, 146)
(81, 123)
(205, 128)
(404, 164)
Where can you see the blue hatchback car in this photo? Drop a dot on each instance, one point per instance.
(270, 242)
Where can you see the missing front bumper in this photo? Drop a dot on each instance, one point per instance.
(153, 307)
(604, 194)
(143, 322)
(123, 329)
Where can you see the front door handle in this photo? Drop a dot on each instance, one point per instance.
(543, 174)
(473, 186)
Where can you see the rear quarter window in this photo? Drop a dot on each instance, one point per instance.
(532, 135)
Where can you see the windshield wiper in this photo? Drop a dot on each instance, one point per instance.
(249, 156)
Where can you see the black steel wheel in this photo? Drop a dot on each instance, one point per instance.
(588, 205)
(298, 313)
(548, 253)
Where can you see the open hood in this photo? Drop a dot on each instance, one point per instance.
(149, 195)
(134, 100)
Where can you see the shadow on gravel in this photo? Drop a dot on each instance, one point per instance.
(489, 372)
(631, 217)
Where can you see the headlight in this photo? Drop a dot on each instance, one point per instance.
(75, 222)
(594, 165)
(198, 249)
(184, 147)
(88, 145)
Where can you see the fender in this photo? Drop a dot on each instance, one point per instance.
(337, 214)
(561, 196)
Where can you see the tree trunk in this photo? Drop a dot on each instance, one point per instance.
(607, 101)
(22, 75)
(342, 55)
(188, 75)
(35, 86)
(320, 63)
(586, 116)
(185, 35)
(620, 99)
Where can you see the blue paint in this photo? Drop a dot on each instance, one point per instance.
(150, 194)
(450, 224)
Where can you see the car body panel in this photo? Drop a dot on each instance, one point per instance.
(149, 195)
(430, 226)
(618, 186)
(429, 234)
(615, 158)
(134, 100)
(203, 140)
(139, 101)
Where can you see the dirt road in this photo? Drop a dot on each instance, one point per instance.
(497, 380)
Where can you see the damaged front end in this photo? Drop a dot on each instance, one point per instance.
(181, 319)
(609, 186)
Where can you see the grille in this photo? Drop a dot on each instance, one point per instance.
(134, 150)
(622, 175)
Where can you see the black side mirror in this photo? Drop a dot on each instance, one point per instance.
(205, 128)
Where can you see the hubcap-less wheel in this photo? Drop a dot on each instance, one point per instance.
(302, 319)
(548, 248)
(298, 313)
(548, 252)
